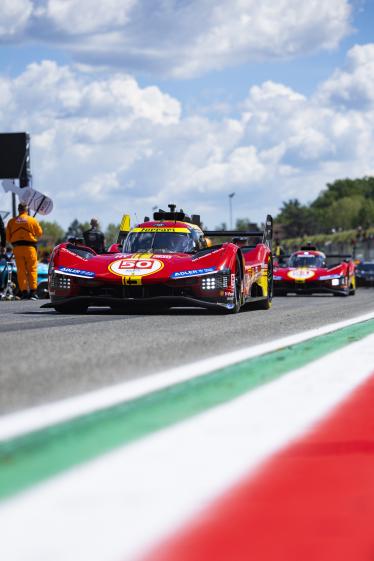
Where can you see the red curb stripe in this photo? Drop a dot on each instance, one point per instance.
(314, 501)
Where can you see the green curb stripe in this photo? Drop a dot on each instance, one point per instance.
(29, 459)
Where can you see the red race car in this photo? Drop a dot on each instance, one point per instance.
(310, 271)
(166, 262)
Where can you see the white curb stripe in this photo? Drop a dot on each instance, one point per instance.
(119, 505)
(36, 418)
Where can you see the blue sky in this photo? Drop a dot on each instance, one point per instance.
(136, 103)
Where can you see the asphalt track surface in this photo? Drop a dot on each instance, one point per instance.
(47, 356)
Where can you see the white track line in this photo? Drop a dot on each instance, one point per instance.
(119, 505)
(29, 420)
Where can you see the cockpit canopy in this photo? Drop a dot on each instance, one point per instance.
(164, 242)
(313, 260)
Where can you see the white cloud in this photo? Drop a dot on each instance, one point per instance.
(103, 146)
(80, 17)
(241, 31)
(184, 38)
(353, 86)
(14, 15)
(61, 91)
(85, 131)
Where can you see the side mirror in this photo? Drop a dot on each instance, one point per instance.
(115, 248)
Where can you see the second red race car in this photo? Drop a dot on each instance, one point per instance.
(165, 262)
(310, 271)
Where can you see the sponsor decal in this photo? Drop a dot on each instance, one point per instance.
(301, 274)
(277, 278)
(76, 272)
(163, 256)
(135, 267)
(74, 254)
(153, 229)
(193, 273)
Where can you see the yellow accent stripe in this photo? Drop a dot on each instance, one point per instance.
(155, 230)
(136, 280)
(138, 256)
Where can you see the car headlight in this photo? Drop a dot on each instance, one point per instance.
(218, 281)
(335, 282)
(209, 283)
(60, 281)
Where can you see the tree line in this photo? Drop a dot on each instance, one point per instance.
(345, 204)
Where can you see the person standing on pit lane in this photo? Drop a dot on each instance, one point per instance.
(2, 236)
(23, 232)
(93, 238)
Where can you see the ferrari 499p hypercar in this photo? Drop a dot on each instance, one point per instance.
(310, 271)
(165, 262)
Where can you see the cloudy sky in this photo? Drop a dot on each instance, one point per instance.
(136, 103)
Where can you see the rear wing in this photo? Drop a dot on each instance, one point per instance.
(266, 234)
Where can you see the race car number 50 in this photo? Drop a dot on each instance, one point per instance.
(136, 267)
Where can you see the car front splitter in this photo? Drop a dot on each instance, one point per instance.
(155, 300)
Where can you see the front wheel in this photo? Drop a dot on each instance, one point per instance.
(237, 303)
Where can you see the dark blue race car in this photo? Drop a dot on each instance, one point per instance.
(365, 273)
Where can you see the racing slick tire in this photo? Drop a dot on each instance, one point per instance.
(237, 290)
(265, 304)
(71, 308)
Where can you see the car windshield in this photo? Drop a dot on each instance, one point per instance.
(159, 242)
(307, 261)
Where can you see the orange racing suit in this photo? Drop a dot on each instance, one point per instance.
(23, 232)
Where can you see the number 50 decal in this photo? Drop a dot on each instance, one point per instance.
(136, 267)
